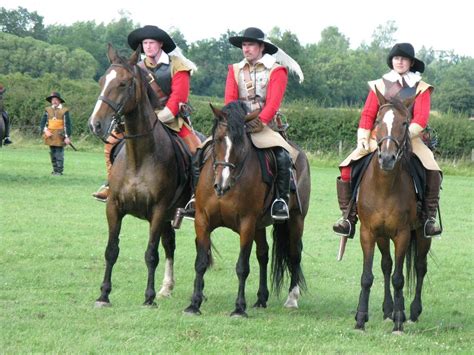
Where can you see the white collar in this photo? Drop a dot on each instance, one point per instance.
(164, 58)
(267, 60)
(410, 78)
(60, 106)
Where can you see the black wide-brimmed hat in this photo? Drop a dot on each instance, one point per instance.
(253, 34)
(55, 94)
(151, 32)
(405, 50)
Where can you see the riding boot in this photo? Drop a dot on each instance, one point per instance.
(345, 227)
(189, 209)
(280, 210)
(431, 204)
(53, 160)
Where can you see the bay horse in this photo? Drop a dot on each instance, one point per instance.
(2, 122)
(232, 194)
(144, 179)
(387, 207)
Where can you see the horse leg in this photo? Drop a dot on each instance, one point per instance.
(152, 257)
(168, 240)
(295, 231)
(262, 257)
(201, 264)
(242, 267)
(421, 266)
(111, 254)
(401, 241)
(386, 264)
(367, 241)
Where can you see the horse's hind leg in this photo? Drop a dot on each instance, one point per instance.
(386, 264)
(401, 241)
(297, 281)
(421, 267)
(262, 257)
(111, 255)
(168, 240)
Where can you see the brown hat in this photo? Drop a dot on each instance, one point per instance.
(253, 34)
(151, 32)
(54, 94)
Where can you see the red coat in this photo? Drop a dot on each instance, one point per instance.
(275, 91)
(421, 110)
(180, 84)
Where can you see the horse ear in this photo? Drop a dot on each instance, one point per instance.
(215, 110)
(382, 100)
(111, 53)
(410, 100)
(135, 57)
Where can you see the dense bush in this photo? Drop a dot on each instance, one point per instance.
(328, 130)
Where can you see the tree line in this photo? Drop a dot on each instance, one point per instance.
(335, 74)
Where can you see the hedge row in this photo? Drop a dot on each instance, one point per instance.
(314, 128)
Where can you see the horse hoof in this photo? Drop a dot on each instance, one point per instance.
(260, 304)
(397, 332)
(151, 305)
(164, 293)
(291, 304)
(192, 311)
(102, 304)
(237, 314)
(388, 320)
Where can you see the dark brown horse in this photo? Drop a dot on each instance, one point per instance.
(387, 208)
(2, 122)
(232, 194)
(144, 180)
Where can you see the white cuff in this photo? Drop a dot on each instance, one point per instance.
(165, 115)
(415, 129)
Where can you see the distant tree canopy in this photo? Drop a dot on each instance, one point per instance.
(335, 74)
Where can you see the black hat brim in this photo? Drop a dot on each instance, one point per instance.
(236, 41)
(49, 98)
(137, 36)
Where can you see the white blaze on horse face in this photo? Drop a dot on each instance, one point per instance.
(226, 170)
(388, 120)
(108, 79)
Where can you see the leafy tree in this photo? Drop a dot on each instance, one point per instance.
(22, 23)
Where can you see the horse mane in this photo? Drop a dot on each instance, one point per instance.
(235, 113)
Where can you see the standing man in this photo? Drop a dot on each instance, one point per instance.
(260, 81)
(57, 129)
(168, 73)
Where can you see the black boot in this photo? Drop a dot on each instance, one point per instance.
(345, 227)
(7, 139)
(189, 209)
(279, 210)
(431, 204)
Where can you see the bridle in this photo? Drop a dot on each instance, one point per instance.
(118, 107)
(400, 146)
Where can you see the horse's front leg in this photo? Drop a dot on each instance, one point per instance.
(242, 268)
(262, 257)
(402, 241)
(367, 241)
(421, 267)
(202, 262)
(386, 264)
(168, 240)
(152, 257)
(114, 221)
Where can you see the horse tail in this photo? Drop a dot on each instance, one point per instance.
(411, 264)
(282, 260)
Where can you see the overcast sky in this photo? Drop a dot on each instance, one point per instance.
(444, 25)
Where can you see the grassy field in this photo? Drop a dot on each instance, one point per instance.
(52, 240)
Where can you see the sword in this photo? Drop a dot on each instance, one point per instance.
(72, 146)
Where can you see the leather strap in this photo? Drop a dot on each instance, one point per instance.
(249, 85)
(151, 79)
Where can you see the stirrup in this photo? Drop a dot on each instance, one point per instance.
(104, 186)
(189, 207)
(431, 219)
(277, 217)
(350, 234)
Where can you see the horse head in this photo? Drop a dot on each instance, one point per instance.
(121, 87)
(391, 129)
(229, 145)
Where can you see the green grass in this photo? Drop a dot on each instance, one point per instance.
(52, 240)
